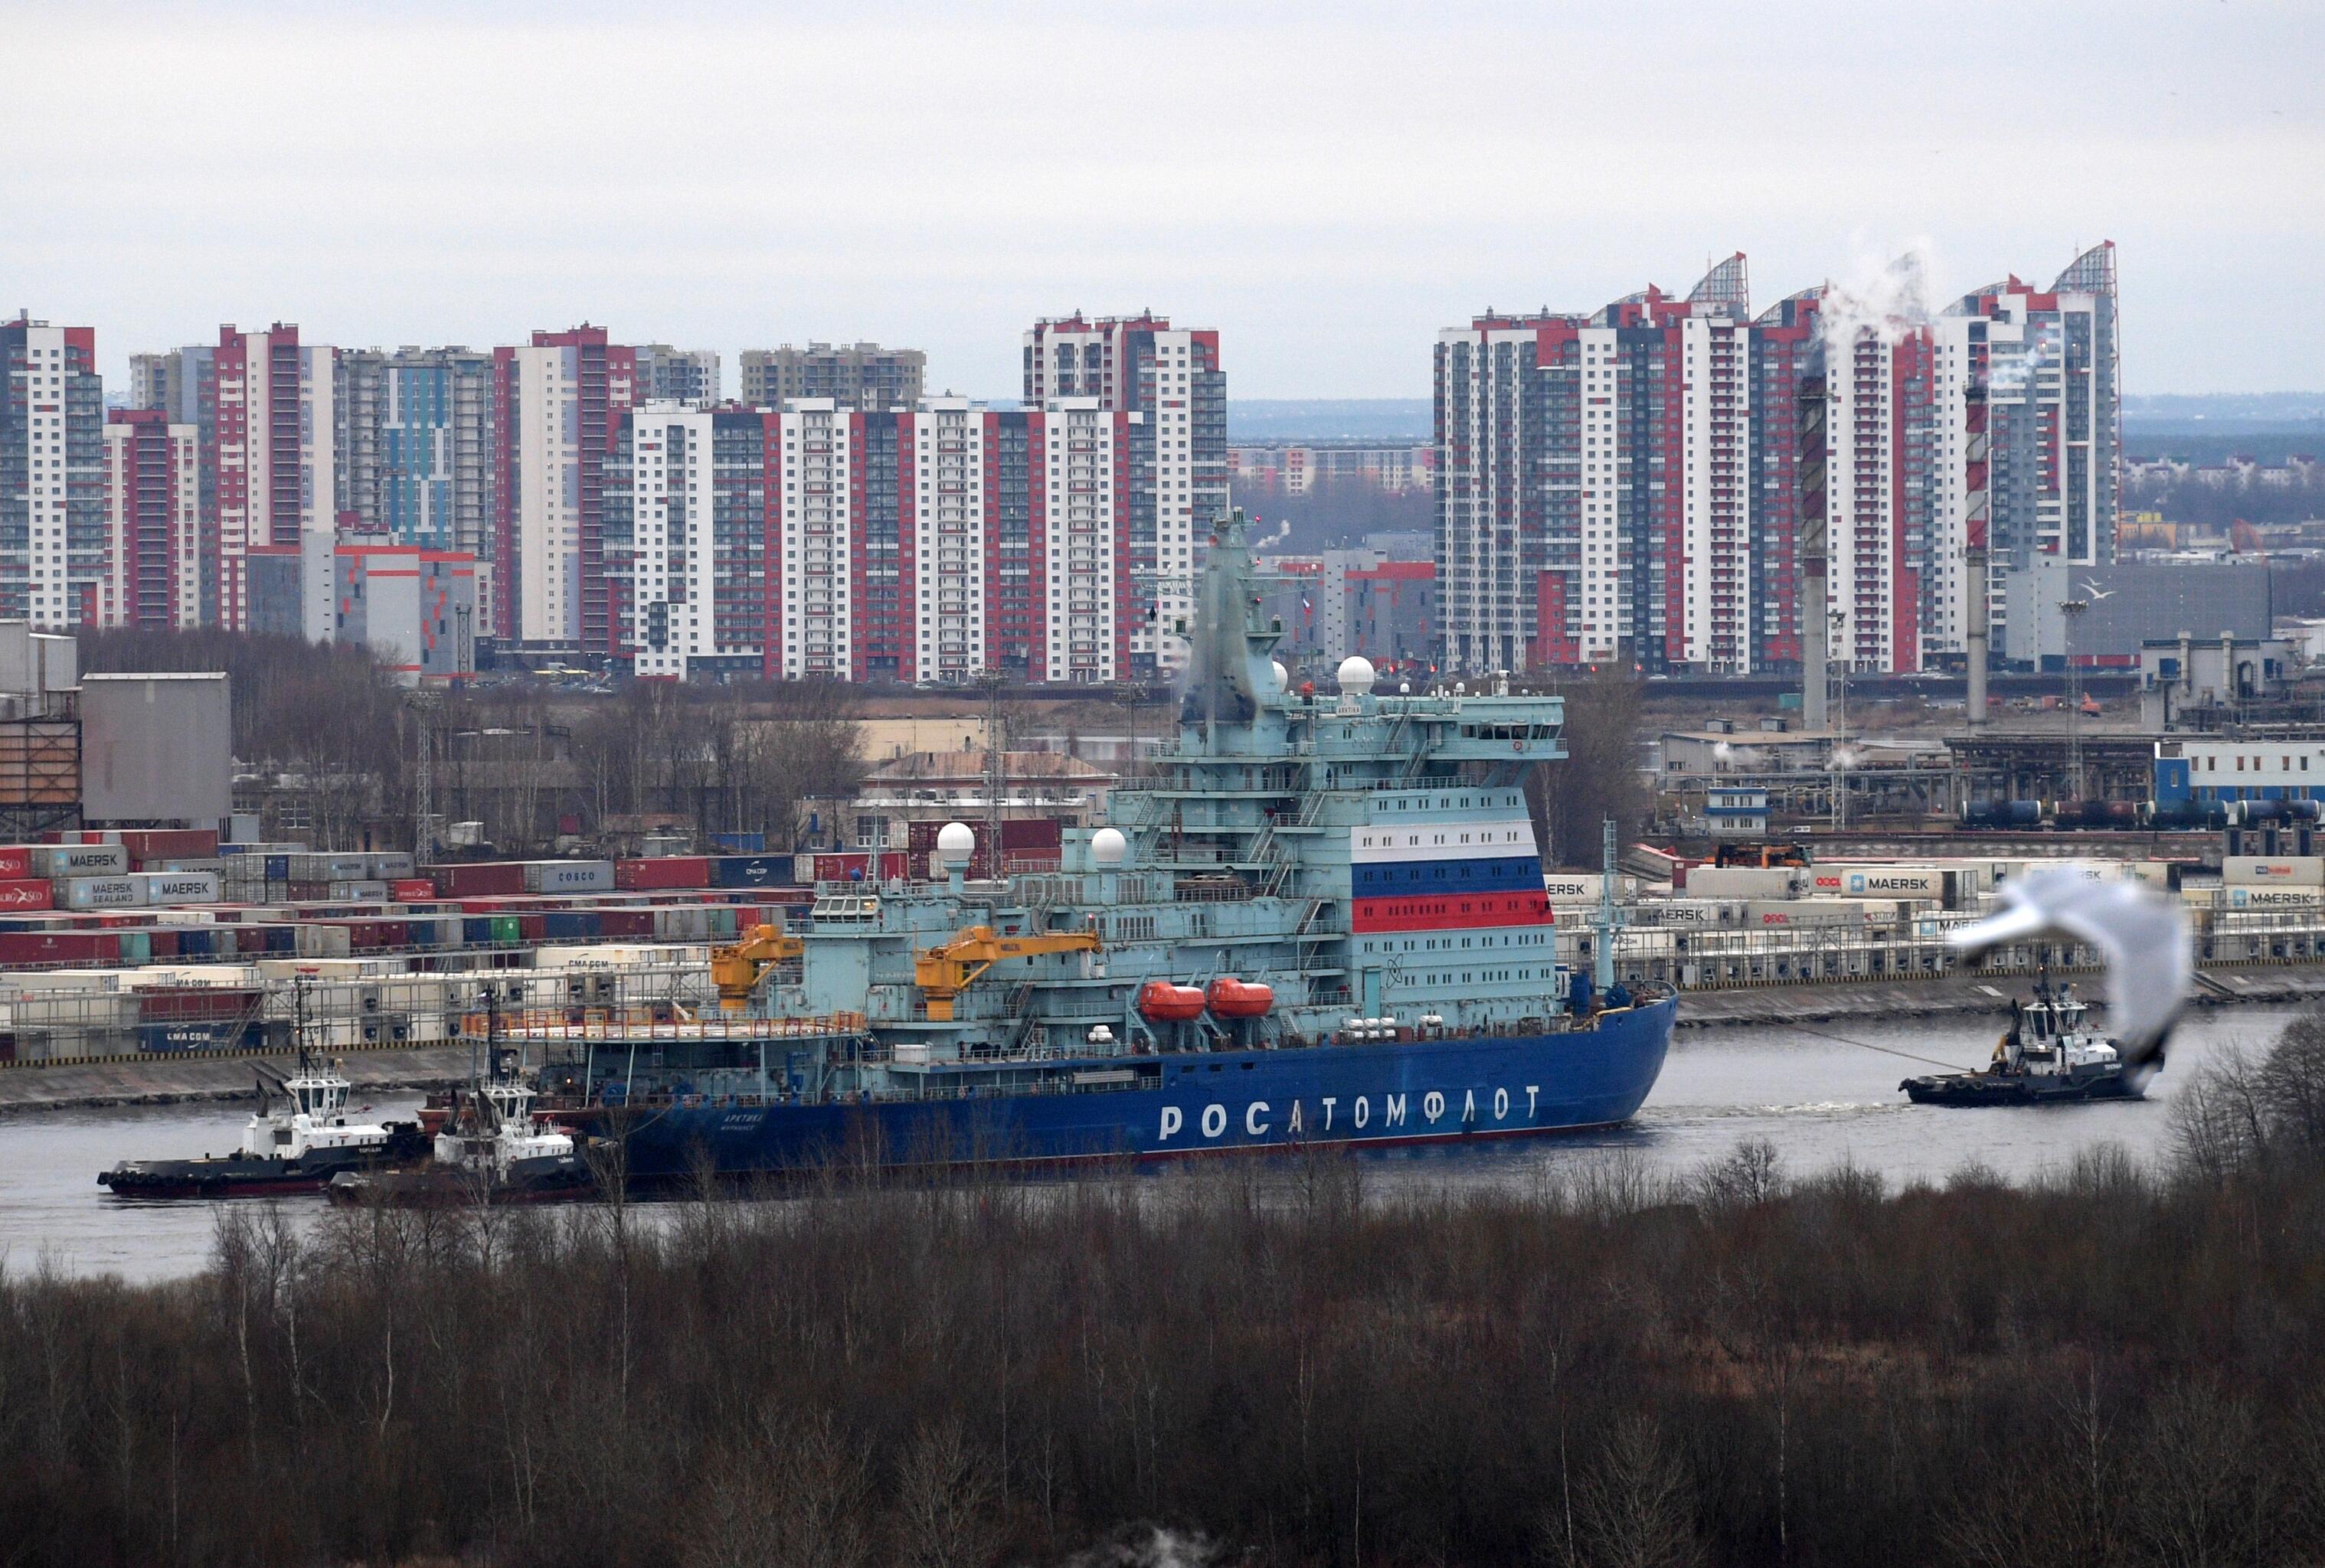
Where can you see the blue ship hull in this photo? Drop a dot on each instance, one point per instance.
(1366, 1094)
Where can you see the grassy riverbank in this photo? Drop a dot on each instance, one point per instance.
(2122, 1365)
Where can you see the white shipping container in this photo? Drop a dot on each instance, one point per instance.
(80, 860)
(1743, 882)
(101, 893)
(1584, 887)
(357, 893)
(2245, 896)
(325, 942)
(1764, 912)
(32, 980)
(330, 868)
(569, 876)
(1874, 879)
(180, 887)
(2274, 870)
(387, 865)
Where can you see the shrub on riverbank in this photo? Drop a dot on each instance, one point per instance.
(2116, 1365)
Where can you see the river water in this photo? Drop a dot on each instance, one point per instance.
(1820, 1099)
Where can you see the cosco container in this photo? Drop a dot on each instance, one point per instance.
(569, 876)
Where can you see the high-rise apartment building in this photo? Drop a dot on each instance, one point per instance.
(272, 457)
(416, 441)
(693, 499)
(1624, 485)
(152, 521)
(679, 375)
(52, 542)
(1173, 387)
(557, 401)
(923, 546)
(2047, 364)
(855, 375)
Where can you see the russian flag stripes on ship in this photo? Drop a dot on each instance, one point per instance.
(1439, 875)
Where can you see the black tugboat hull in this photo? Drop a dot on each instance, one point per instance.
(1988, 1089)
(549, 1179)
(233, 1176)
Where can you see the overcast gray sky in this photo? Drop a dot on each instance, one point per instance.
(1327, 184)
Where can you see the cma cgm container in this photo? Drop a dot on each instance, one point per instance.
(569, 876)
(677, 871)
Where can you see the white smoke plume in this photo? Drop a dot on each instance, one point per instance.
(1153, 1547)
(1282, 531)
(1885, 299)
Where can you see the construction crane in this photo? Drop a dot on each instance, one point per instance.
(737, 970)
(944, 972)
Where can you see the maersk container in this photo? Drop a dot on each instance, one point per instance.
(357, 893)
(180, 887)
(80, 860)
(387, 865)
(118, 892)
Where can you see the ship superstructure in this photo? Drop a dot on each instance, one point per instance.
(1320, 917)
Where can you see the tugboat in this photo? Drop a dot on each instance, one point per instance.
(492, 1147)
(2049, 1054)
(1319, 920)
(298, 1139)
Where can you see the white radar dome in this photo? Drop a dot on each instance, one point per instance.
(1283, 675)
(1355, 675)
(955, 843)
(1107, 846)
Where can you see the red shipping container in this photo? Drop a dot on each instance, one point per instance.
(41, 895)
(479, 879)
(674, 871)
(162, 941)
(531, 927)
(156, 1005)
(58, 947)
(169, 842)
(406, 890)
(626, 922)
(16, 861)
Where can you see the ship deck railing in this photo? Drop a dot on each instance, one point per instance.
(625, 1025)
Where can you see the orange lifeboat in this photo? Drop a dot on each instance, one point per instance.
(1160, 1002)
(1240, 998)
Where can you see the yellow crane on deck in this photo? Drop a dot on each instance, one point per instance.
(944, 972)
(737, 970)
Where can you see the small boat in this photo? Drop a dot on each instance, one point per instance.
(492, 1148)
(2049, 1055)
(296, 1142)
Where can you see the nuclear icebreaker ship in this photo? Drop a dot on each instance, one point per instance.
(1319, 920)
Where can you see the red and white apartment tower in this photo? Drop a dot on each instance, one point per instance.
(152, 521)
(272, 457)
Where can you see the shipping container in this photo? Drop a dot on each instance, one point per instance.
(1851, 880)
(27, 895)
(2272, 871)
(357, 892)
(1743, 882)
(180, 887)
(169, 842)
(569, 876)
(98, 860)
(2263, 896)
(214, 1035)
(101, 893)
(16, 863)
(685, 870)
(479, 879)
(754, 871)
(406, 889)
(1765, 912)
(570, 925)
(1584, 887)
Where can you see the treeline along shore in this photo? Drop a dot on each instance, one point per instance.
(2118, 1365)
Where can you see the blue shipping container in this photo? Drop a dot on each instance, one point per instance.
(565, 924)
(200, 1035)
(278, 868)
(477, 930)
(751, 871)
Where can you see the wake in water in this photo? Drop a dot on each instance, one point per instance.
(1153, 1547)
